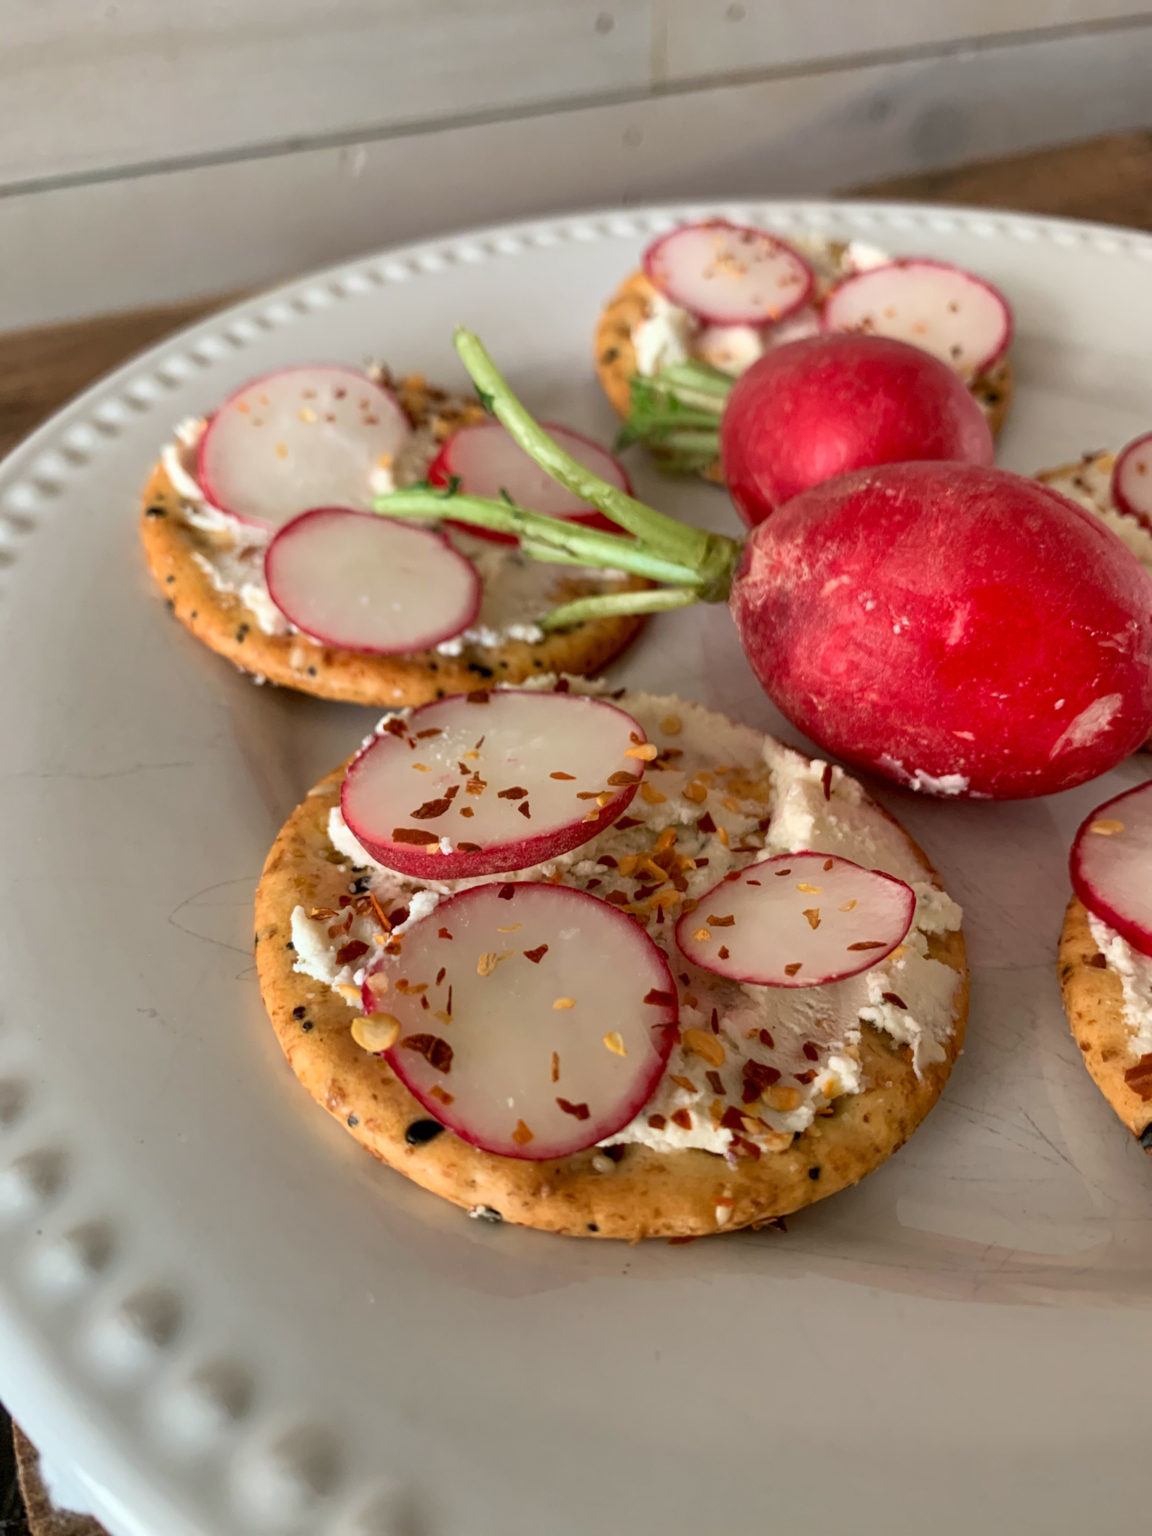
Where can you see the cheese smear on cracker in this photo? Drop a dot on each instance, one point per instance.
(731, 796)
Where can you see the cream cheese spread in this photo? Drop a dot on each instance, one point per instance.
(731, 796)
(1135, 973)
(1089, 485)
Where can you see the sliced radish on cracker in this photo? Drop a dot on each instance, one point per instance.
(533, 1020)
(1112, 865)
(305, 437)
(485, 460)
(1132, 480)
(488, 782)
(797, 920)
(352, 580)
(951, 313)
(727, 274)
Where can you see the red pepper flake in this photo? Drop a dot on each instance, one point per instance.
(894, 999)
(525, 809)
(826, 781)
(395, 726)
(869, 944)
(828, 864)
(414, 835)
(715, 1081)
(425, 1004)
(378, 913)
(478, 696)
(562, 686)
(437, 1052)
(722, 952)
(683, 1119)
(746, 1148)
(448, 1010)
(561, 775)
(577, 1111)
(790, 970)
(805, 1077)
(537, 954)
(517, 792)
(657, 1122)
(440, 974)
(780, 873)
(811, 1051)
(627, 821)
(506, 892)
(1099, 962)
(606, 861)
(432, 808)
(351, 951)
(732, 1119)
(714, 1021)
(757, 1077)
(616, 899)
(555, 1066)
(442, 933)
(706, 824)
(439, 1093)
(660, 999)
(522, 1135)
(721, 922)
(620, 778)
(767, 1040)
(433, 730)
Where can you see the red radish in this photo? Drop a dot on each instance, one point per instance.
(1112, 865)
(1132, 480)
(728, 274)
(958, 317)
(352, 580)
(487, 782)
(961, 630)
(301, 438)
(815, 409)
(797, 920)
(956, 628)
(549, 1021)
(484, 460)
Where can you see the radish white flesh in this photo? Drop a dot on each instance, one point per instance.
(797, 920)
(487, 461)
(306, 437)
(1112, 865)
(726, 274)
(549, 1019)
(1132, 480)
(506, 779)
(359, 582)
(953, 314)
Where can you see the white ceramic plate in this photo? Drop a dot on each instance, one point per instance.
(218, 1316)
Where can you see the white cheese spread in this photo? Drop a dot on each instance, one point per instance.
(732, 797)
(1135, 973)
(1089, 485)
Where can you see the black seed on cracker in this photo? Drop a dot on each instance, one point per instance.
(813, 1173)
(156, 512)
(353, 1120)
(298, 1013)
(592, 1227)
(420, 1132)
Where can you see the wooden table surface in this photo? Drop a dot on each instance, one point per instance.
(1107, 179)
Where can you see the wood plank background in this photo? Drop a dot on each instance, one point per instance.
(152, 150)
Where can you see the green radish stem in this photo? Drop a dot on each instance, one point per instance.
(677, 413)
(692, 565)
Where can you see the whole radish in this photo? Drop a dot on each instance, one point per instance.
(954, 627)
(814, 409)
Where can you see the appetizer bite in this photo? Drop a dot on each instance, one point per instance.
(608, 966)
(1106, 954)
(258, 529)
(959, 629)
(713, 299)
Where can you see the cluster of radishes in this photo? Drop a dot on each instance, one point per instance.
(300, 455)
(531, 1018)
(1111, 860)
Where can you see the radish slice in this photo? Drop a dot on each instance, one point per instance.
(488, 782)
(956, 316)
(365, 583)
(306, 437)
(727, 274)
(1112, 865)
(486, 461)
(797, 920)
(534, 1020)
(1132, 480)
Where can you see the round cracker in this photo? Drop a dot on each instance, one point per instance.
(647, 1193)
(616, 361)
(226, 626)
(1094, 1003)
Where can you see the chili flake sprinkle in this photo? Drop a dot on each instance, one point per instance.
(615, 1043)
(521, 1135)
(577, 1111)
(537, 954)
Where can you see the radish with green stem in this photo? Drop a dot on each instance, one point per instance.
(956, 628)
